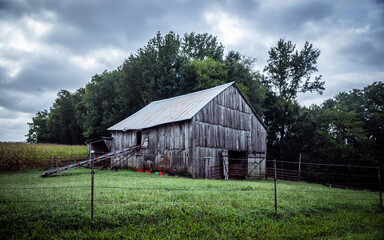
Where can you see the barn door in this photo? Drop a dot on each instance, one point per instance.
(237, 167)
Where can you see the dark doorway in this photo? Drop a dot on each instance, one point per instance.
(237, 162)
(138, 138)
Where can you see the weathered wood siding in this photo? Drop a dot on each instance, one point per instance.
(167, 146)
(125, 139)
(228, 123)
(195, 146)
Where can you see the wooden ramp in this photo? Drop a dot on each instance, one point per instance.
(94, 160)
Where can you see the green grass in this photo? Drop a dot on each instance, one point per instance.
(148, 206)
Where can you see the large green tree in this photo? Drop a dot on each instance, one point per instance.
(339, 136)
(60, 124)
(374, 118)
(97, 109)
(207, 73)
(240, 69)
(289, 72)
(202, 46)
(167, 66)
(38, 129)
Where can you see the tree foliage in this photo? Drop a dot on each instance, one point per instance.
(38, 129)
(60, 124)
(348, 128)
(165, 67)
(202, 46)
(288, 73)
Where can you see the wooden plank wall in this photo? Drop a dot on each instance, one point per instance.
(123, 140)
(227, 123)
(168, 146)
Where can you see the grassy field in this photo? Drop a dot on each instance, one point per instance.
(148, 206)
(22, 156)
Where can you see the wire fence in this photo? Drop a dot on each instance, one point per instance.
(99, 190)
(331, 175)
(341, 175)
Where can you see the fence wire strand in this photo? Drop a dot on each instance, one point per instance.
(283, 194)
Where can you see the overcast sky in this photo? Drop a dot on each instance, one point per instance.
(46, 45)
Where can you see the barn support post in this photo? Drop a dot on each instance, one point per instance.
(274, 180)
(225, 164)
(380, 191)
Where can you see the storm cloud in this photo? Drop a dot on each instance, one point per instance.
(46, 46)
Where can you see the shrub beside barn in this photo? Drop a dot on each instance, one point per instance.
(214, 133)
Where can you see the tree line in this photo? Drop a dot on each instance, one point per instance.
(347, 128)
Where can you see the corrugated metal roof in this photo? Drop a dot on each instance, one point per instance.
(169, 110)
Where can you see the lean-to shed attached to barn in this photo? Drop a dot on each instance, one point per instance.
(214, 133)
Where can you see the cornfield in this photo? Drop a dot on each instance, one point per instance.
(22, 156)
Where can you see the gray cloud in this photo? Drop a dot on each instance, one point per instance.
(18, 101)
(48, 45)
(247, 9)
(12, 9)
(367, 51)
(291, 19)
(85, 25)
(100, 23)
(46, 74)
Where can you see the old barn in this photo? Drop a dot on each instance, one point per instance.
(214, 133)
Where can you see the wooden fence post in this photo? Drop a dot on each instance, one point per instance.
(381, 198)
(275, 178)
(300, 167)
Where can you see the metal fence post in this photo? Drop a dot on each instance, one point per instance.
(381, 198)
(92, 185)
(274, 164)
